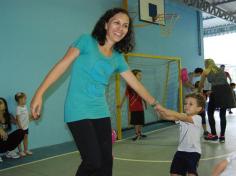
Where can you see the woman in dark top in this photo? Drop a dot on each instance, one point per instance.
(8, 142)
(221, 97)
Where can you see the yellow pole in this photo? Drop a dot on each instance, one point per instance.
(118, 99)
(180, 88)
(118, 110)
(125, 4)
(166, 84)
(153, 56)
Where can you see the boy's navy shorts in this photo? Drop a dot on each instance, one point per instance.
(185, 162)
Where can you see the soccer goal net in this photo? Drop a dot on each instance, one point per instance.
(160, 76)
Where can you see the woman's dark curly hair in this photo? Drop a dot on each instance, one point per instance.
(7, 116)
(99, 32)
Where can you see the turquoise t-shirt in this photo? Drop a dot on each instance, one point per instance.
(90, 75)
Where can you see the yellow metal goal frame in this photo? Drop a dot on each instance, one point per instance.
(117, 85)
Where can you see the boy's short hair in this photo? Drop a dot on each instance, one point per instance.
(19, 95)
(232, 84)
(198, 70)
(196, 84)
(200, 99)
(135, 71)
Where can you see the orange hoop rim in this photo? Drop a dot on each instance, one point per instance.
(165, 16)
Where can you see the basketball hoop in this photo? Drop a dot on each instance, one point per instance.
(166, 22)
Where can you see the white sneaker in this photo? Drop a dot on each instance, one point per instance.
(12, 154)
(22, 154)
(1, 159)
(28, 152)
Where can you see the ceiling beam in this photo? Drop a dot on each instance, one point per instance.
(219, 30)
(232, 13)
(211, 9)
(208, 18)
(223, 2)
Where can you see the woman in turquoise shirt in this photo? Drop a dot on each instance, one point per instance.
(94, 59)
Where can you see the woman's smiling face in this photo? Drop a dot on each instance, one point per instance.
(117, 27)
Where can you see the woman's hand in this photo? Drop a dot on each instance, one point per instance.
(161, 110)
(168, 114)
(36, 106)
(3, 135)
(159, 107)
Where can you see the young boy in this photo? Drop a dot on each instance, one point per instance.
(226, 167)
(136, 107)
(22, 117)
(188, 154)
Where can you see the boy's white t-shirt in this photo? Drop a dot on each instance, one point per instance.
(190, 134)
(22, 113)
(231, 167)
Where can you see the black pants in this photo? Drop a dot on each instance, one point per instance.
(211, 119)
(203, 115)
(93, 140)
(13, 140)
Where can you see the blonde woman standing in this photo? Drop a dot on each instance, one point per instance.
(221, 97)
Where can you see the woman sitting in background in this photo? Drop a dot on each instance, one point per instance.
(8, 142)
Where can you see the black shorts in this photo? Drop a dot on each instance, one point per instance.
(185, 162)
(26, 131)
(137, 118)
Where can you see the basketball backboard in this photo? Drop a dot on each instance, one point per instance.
(149, 10)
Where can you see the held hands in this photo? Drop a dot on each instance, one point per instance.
(36, 106)
(164, 112)
(31, 117)
(3, 135)
(161, 110)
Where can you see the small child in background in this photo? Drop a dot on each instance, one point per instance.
(136, 108)
(232, 85)
(226, 167)
(22, 117)
(185, 161)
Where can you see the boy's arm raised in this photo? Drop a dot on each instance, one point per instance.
(173, 115)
